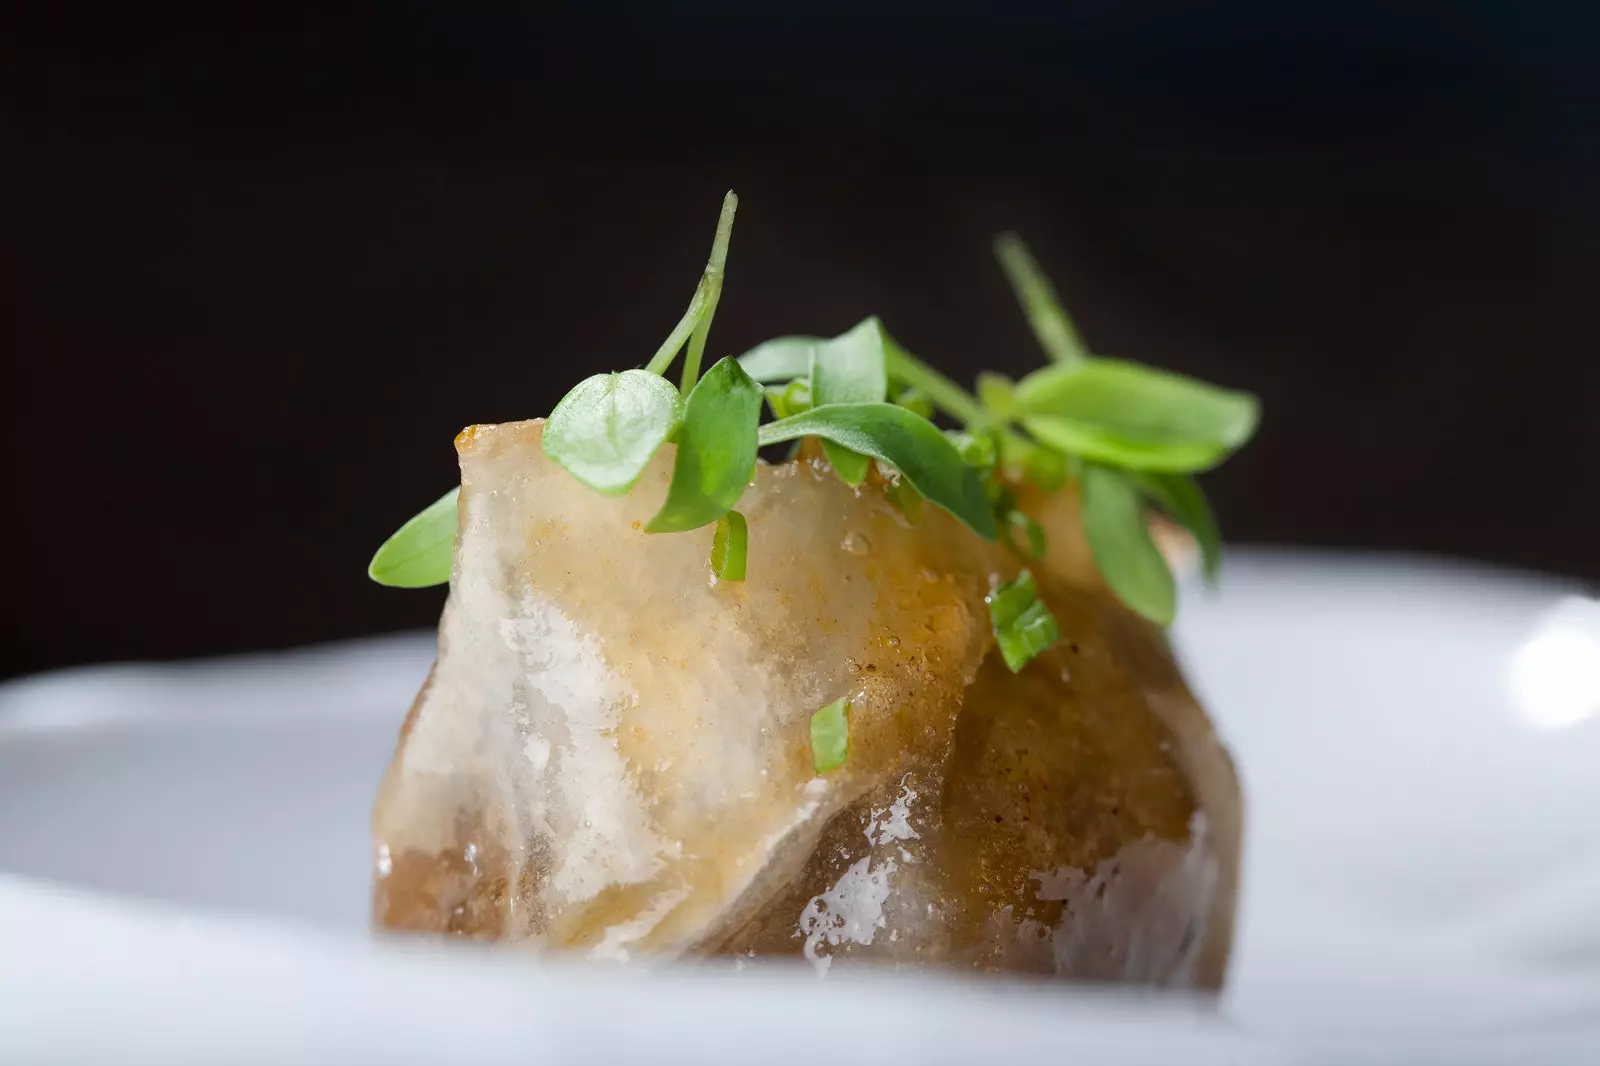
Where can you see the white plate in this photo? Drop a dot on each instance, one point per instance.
(184, 875)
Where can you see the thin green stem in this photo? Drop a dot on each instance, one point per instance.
(949, 397)
(943, 393)
(674, 343)
(702, 304)
(713, 286)
(1048, 319)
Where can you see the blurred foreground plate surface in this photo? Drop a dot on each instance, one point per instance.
(184, 862)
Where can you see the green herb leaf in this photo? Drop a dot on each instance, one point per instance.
(1048, 319)
(1135, 416)
(830, 736)
(1183, 499)
(420, 552)
(780, 359)
(729, 545)
(1076, 439)
(1023, 625)
(1113, 518)
(716, 450)
(607, 429)
(909, 444)
(849, 368)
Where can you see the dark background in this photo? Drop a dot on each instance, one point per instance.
(257, 269)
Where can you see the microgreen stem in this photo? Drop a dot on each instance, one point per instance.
(674, 343)
(698, 317)
(712, 282)
(952, 399)
(943, 393)
(1048, 319)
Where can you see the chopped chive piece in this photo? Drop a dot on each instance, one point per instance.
(1023, 625)
(728, 545)
(830, 736)
(1007, 602)
(1034, 632)
(1018, 522)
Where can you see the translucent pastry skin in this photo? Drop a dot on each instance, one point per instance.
(1070, 831)
(630, 740)
(611, 755)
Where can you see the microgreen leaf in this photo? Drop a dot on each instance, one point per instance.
(608, 428)
(1023, 625)
(909, 444)
(716, 450)
(1073, 438)
(1048, 319)
(780, 359)
(729, 545)
(830, 736)
(849, 368)
(1134, 416)
(420, 552)
(1183, 499)
(1113, 518)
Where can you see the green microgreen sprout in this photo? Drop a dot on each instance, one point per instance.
(1128, 436)
(830, 736)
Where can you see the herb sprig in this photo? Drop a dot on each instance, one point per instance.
(1128, 435)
